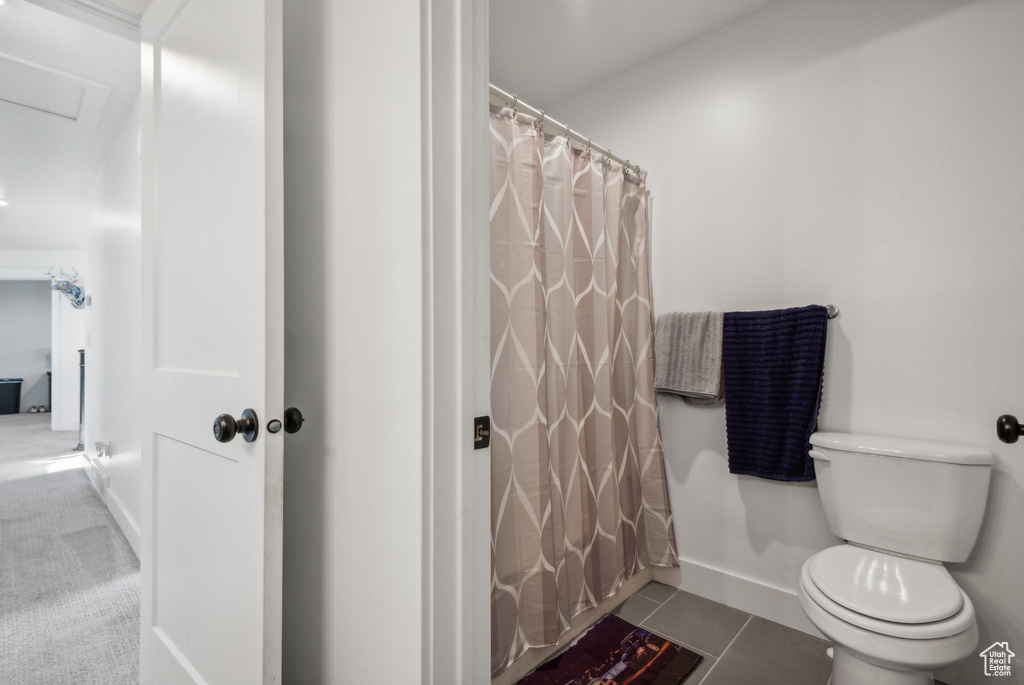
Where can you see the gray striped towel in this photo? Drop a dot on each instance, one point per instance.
(688, 356)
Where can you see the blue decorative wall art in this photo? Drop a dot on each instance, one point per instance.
(66, 281)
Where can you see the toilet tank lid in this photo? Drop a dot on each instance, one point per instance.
(906, 448)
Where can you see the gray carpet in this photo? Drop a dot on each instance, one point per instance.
(29, 448)
(69, 586)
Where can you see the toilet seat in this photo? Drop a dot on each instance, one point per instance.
(885, 586)
(862, 599)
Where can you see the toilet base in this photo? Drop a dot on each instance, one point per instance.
(848, 669)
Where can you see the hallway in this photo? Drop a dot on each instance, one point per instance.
(69, 581)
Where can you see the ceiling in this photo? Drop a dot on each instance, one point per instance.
(66, 87)
(73, 67)
(546, 50)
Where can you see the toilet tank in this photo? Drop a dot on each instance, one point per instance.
(915, 497)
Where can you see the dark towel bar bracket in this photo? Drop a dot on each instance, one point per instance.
(1008, 429)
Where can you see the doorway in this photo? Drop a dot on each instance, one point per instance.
(69, 188)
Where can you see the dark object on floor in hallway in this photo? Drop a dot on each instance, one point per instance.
(10, 395)
(614, 651)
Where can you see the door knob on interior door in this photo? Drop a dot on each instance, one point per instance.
(292, 422)
(226, 427)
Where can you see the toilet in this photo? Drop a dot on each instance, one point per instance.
(904, 507)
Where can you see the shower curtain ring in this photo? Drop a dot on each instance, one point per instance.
(515, 103)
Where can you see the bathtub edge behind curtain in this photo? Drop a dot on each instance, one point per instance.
(579, 498)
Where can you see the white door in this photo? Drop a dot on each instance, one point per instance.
(212, 341)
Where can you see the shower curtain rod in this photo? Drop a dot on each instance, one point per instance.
(515, 103)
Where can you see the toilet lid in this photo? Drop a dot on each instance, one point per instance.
(885, 586)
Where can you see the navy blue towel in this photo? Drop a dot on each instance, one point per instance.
(772, 364)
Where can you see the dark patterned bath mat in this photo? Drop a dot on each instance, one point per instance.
(615, 652)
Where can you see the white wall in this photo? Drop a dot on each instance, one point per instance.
(113, 327)
(25, 342)
(386, 543)
(353, 534)
(869, 155)
(307, 321)
(33, 264)
(67, 327)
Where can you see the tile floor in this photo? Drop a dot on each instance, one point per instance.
(737, 647)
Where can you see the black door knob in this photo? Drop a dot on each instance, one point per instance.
(1008, 428)
(292, 420)
(226, 427)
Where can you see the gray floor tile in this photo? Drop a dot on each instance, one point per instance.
(659, 592)
(697, 622)
(636, 608)
(768, 653)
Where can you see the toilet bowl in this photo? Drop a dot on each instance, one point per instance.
(873, 649)
(891, 609)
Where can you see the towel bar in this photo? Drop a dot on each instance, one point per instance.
(833, 311)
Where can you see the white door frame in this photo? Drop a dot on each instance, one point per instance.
(456, 629)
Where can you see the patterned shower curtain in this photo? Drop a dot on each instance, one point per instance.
(579, 500)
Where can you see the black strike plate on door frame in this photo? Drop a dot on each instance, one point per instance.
(481, 432)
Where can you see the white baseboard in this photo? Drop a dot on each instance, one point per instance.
(128, 525)
(101, 483)
(99, 479)
(746, 594)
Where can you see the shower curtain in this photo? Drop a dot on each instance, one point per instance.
(579, 501)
